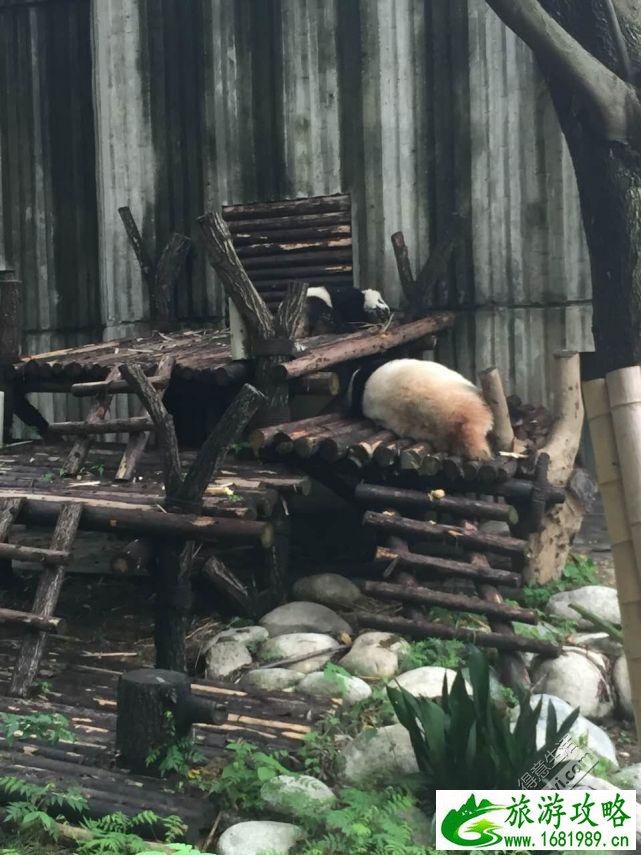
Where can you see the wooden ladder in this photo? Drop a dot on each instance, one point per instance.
(40, 620)
(97, 422)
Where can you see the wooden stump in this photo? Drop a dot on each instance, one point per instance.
(550, 547)
(145, 697)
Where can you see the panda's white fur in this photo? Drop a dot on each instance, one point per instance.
(373, 300)
(427, 401)
(320, 293)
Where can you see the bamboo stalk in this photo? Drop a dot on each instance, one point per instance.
(608, 474)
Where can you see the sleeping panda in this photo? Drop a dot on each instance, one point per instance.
(424, 401)
(331, 308)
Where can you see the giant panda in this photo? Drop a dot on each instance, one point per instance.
(424, 401)
(332, 308)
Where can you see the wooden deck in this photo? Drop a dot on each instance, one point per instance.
(82, 687)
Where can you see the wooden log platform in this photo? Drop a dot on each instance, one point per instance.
(203, 355)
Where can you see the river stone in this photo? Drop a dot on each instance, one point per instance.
(599, 599)
(379, 756)
(258, 837)
(296, 644)
(629, 778)
(578, 678)
(597, 739)
(370, 660)
(330, 589)
(296, 795)
(599, 642)
(388, 640)
(426, 682)
(304, 617)
(224, 658)
(621, 678)
(244, 634)
(272, 679)
(351, 690)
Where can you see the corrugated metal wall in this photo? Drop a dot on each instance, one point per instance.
(417, 107)
(48, 173)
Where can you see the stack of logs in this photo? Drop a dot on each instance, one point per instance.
(429, 562)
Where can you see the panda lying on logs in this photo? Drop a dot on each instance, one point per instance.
(331, 308)
(424, 401)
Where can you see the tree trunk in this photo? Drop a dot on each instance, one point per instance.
(609, 181)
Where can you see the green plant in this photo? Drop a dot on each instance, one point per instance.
(50, 727)
(238, 785)
(467, 742)
(30, 814)
(337, 677)
(578, 572)
(43, 687)
(433, 651)
(175, 755)
(363, 823)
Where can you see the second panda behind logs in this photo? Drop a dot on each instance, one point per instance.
(332, 308)
(424, 401)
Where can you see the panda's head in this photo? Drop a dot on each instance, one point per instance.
(375, 308)
(352, 306)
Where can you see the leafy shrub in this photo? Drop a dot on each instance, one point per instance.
(240, 782)
(433, 651)
(50, 727)
(578, 572)
(467, 742)
(364, 823)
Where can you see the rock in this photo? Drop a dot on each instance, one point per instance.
(621, 679)
(296, 795)
(351, 690)
(599, 642)
(597, 739)
(296, 644)
(426, 682)
(380, 639)
(578, 678)
(599, 599)
(629, 778)
(272, 679)
(304, 617)
(259, 837)
(330, 589)
(379, 756)
(496, 527)
(224, 658)
(374, 654)
(370, 660)
(247, 635)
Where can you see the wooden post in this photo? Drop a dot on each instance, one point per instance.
(145, 696)
(550, 547)
(173, 556)
(10, 342)
(271, 339)
(160, 278)
(626, 564)
(10, 317)
(492, 387)
(239, 339)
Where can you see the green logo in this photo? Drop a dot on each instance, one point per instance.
(479, 834)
